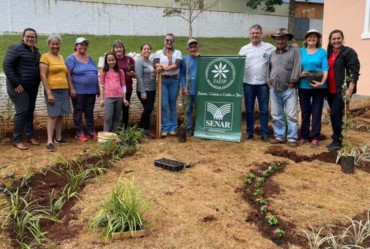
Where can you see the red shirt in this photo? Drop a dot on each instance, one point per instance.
(332, 84)
(127, 64)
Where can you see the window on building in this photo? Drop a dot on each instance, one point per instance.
(366, 33)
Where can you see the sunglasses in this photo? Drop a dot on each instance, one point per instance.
(170, 41)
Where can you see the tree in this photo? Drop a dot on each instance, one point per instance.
(269, 6)
(188, 10)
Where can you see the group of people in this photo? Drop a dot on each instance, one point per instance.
(281, 74)
(271, 73)
(77, 80)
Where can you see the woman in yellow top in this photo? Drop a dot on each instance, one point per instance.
(53, 72)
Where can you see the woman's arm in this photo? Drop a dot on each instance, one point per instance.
(72, 89)
(353, 65)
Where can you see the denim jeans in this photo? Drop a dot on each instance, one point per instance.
(126, 111)
(170, 91)
(148, 105)
(24, 104)
(112, 108)
(284, 111)
(261, 92)
(311, 103)
(189, 112)
(84, 104)
(336, 105)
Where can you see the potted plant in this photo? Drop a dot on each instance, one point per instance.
(346, 155)
(121, 216)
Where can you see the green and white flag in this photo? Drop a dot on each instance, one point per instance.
(219, 98)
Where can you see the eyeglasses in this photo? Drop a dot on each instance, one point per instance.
(30, 37)
(170, 41)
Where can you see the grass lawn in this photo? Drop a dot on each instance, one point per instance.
(101, 44)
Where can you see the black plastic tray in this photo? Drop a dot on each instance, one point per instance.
(169, 164)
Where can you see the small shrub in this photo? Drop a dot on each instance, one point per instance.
(122, 212)
(131, 136)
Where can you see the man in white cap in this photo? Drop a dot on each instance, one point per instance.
(257, 55)
(188, 80)
(282, 78)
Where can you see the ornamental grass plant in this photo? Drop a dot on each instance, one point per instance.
(122, 212)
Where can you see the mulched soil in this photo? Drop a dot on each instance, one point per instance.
(326, 157)
(257, 218)
(40, 186)
(271, 190)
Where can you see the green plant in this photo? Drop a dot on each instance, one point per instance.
(123, 211)
(258, 191)
(264, 208)
(57, 201)
(25, 217)
(357, 233)
(354, 236)
(272, 220)
(261, 201)
(260, 180)
(109, 147)
(362, 151)
(26, 178)
(75, 176)
(250, 178)
(131, 136)
(278, 233)
(315, 240)
(347, 148)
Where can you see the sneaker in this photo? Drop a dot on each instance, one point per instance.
(335, 145)
(82, 138)
(292, 144)
(173, 133)
(314, 143)
(302, 141)
(164, 134)
(60, 141)
(93, 136)
(50, 147)
(276, 141)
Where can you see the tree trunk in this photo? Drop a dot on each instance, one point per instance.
(291, 17)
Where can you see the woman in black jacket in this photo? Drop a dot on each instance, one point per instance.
(21, 67)
(343, 62)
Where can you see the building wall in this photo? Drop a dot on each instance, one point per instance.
(237, 6)
(75, 17)
(349, 17)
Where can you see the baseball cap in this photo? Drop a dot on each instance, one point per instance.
(80, 40)
(192, 40)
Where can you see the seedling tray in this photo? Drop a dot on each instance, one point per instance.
(169, 164)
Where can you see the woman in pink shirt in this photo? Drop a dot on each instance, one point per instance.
(112, 92)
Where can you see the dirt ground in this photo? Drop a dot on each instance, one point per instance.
(200, 206)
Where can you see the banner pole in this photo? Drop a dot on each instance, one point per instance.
(159, 105)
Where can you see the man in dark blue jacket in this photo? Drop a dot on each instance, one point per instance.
(21, 67)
